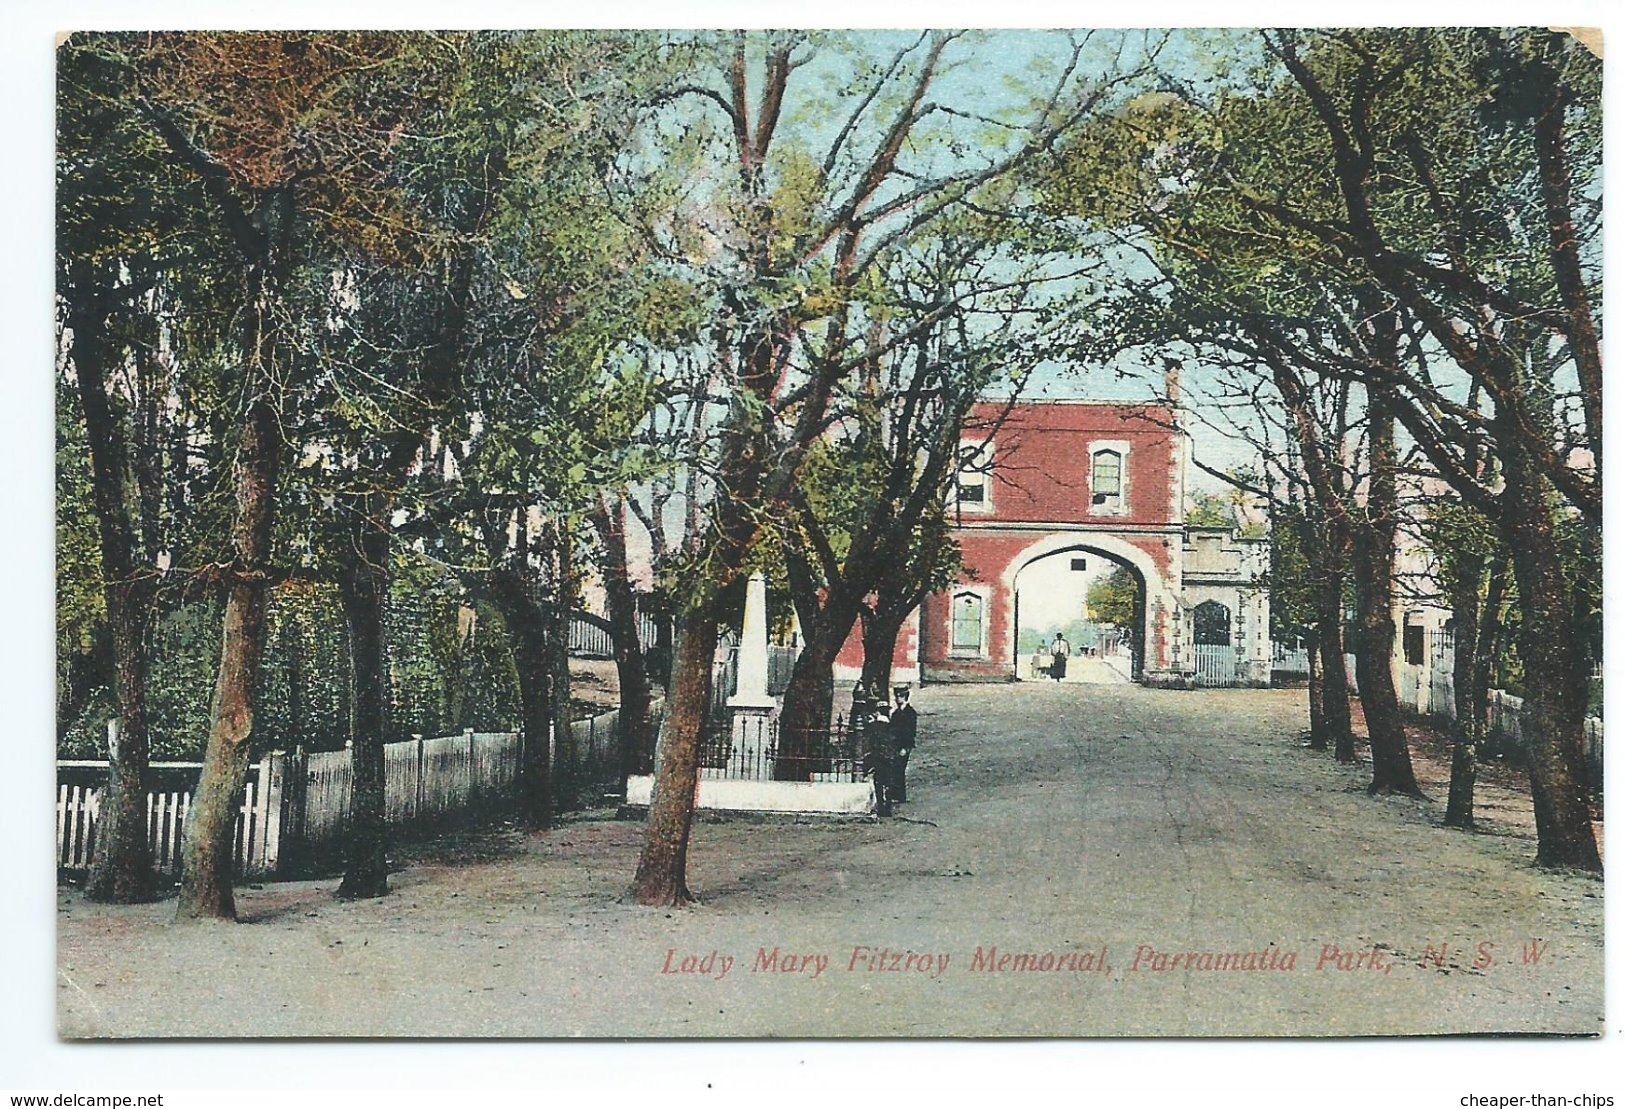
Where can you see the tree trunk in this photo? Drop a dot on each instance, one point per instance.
(1328, 551)
(809, 699)
(566, 758)
(364, 590)
(1465, 604)
(1491, 635)
(609, 520)
(509, 591)
(1317, 694)
(122, 868)
(1391, 770)
(1554, 704)
(207, 861)
(1334, 688)
(880, 634)
(665, 646)
(662, 877)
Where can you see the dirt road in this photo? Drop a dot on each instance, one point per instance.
(1170, 862)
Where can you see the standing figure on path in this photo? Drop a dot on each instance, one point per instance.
(883, 745)
(1058, 652)
(904, 724)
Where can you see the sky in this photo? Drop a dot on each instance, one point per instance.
(997, 74)
(1052, 591)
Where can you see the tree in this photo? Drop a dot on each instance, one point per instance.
(128, 250)
(608, 517)
(873, 493)
(1113, 599)
(1472, 570)
(1418, 108)
(1359, 163)
(804, 233)
(269, 126)
(87, 185)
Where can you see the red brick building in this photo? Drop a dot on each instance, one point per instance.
(1084, 478)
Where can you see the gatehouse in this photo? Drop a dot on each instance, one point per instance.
(1072, 486)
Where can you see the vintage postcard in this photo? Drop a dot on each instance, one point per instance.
(908, 533)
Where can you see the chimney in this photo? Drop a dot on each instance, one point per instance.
(1170, 382)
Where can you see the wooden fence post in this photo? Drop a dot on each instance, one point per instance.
(272, 772)
(468, 734)
(417, 808)
(292, 841)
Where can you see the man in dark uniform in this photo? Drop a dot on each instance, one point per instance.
(904, 726)
(882, 748)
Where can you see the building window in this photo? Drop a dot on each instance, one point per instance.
(967, 623)
(974, 489)
(1414, 642)
(1212, 622)
(1106, 480)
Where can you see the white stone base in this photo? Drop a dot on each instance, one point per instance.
(835, 798)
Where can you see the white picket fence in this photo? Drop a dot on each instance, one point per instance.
(295, 804)
(169, 796)
(426, 782)
(1429, 688)
(1215, 664)
(1285, 659)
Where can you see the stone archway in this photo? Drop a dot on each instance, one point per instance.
(1159, 604)
(1052, 595)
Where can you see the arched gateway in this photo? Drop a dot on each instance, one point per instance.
(1101, 479)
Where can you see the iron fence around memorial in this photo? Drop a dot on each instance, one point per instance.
(756, 750)
(761, 750)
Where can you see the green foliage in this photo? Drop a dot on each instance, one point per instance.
(1111, 600)
(80, 604)
(1291, 573)
(1209, 510)
(1583, 566)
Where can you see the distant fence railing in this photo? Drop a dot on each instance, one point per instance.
(1215, 664)
(755, 750)
(592, 637)
(295, 808)
(1286, 659)
(1429, 688)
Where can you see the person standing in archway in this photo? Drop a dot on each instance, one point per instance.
(1058, 654)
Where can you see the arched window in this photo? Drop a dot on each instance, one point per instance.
(967, 623)
(1106, 479)
(1212, 622)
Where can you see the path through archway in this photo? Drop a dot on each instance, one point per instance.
(1087, 604)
